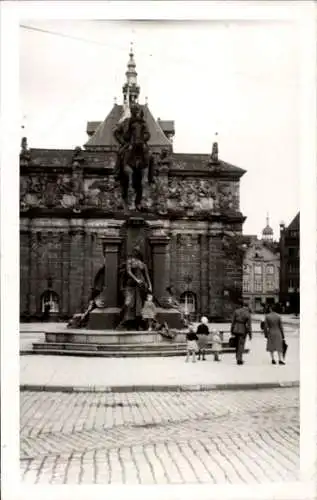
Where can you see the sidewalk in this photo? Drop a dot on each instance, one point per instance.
(67, 373)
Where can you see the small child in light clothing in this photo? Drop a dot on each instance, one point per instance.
(192, 346)
(216, 341)
(149, 312)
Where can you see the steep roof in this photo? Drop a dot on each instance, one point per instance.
(103, 136)
(193, 161)
(166, 125)
(294, 225)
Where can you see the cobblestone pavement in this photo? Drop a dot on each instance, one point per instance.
(169, 437)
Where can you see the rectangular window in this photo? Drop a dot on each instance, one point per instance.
(290, 285)
(246, 285)
(257, 269)
(270, 269)
(270, 286)
(258, 285)
(293, 252)
(293, 267)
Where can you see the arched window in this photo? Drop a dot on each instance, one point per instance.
(50, 299)
(188, 301)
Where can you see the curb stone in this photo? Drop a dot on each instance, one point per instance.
(159, 388)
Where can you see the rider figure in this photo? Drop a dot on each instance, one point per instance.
(133, 136)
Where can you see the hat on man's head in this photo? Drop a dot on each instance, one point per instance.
(204, 320)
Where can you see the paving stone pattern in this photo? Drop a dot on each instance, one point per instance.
(151, 438)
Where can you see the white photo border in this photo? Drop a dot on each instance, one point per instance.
(12, 13)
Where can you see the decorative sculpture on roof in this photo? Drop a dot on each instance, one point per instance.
(78, 157)
(25, 155)
(214, 153)
(133, 156)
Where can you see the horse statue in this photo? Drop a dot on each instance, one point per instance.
(133, 156)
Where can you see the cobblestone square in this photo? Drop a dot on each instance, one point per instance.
(160, 437)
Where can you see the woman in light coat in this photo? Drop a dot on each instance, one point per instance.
(273, 331)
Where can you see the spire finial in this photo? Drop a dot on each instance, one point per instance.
(114, 100)
(267, 219)
(131, 48)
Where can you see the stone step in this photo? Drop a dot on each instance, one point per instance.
(125, 350)
(113, 354)
(117, 347)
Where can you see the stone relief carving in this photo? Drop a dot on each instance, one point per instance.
(195, 194)
(104, 193)
(31, 192)
(71, 190)
(228, 196)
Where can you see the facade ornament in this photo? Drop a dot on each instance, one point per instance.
(78, 157)
(214, 153)
(25, 155)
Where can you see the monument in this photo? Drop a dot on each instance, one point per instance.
(85, 211)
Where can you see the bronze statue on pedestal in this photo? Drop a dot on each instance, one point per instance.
(136, 284)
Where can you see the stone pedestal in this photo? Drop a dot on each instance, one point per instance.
(104, 319)
(171, 316)
(108, 317)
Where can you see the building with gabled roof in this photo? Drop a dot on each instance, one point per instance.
(72, 221)
(261, 270)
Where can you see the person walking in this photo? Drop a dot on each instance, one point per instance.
(202, 334)
(274, 333)
(240, 328)
(192, 346)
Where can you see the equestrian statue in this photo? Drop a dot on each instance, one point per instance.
(134, 155)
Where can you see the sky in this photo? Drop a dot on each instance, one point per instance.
(239, 79)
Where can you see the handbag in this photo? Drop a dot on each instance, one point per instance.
(233, 341)
(285, 347)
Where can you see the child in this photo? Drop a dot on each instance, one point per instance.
(202, 332)
(192, 346)
(216, 340)
(149, 312)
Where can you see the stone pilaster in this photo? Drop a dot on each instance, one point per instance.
(25, 281)
(111, 251)
(215, 274)
(160, 279)
(76, 269)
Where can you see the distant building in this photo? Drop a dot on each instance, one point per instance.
(289, 273)
(261, 270)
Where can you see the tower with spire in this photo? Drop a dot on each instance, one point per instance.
(101, 133)
(267, 233)
(131, 89)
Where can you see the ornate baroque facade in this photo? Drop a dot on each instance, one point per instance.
(71, 218)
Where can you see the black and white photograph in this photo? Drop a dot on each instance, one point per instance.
(159, 251)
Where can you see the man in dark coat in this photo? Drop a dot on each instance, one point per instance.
(240, 328)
